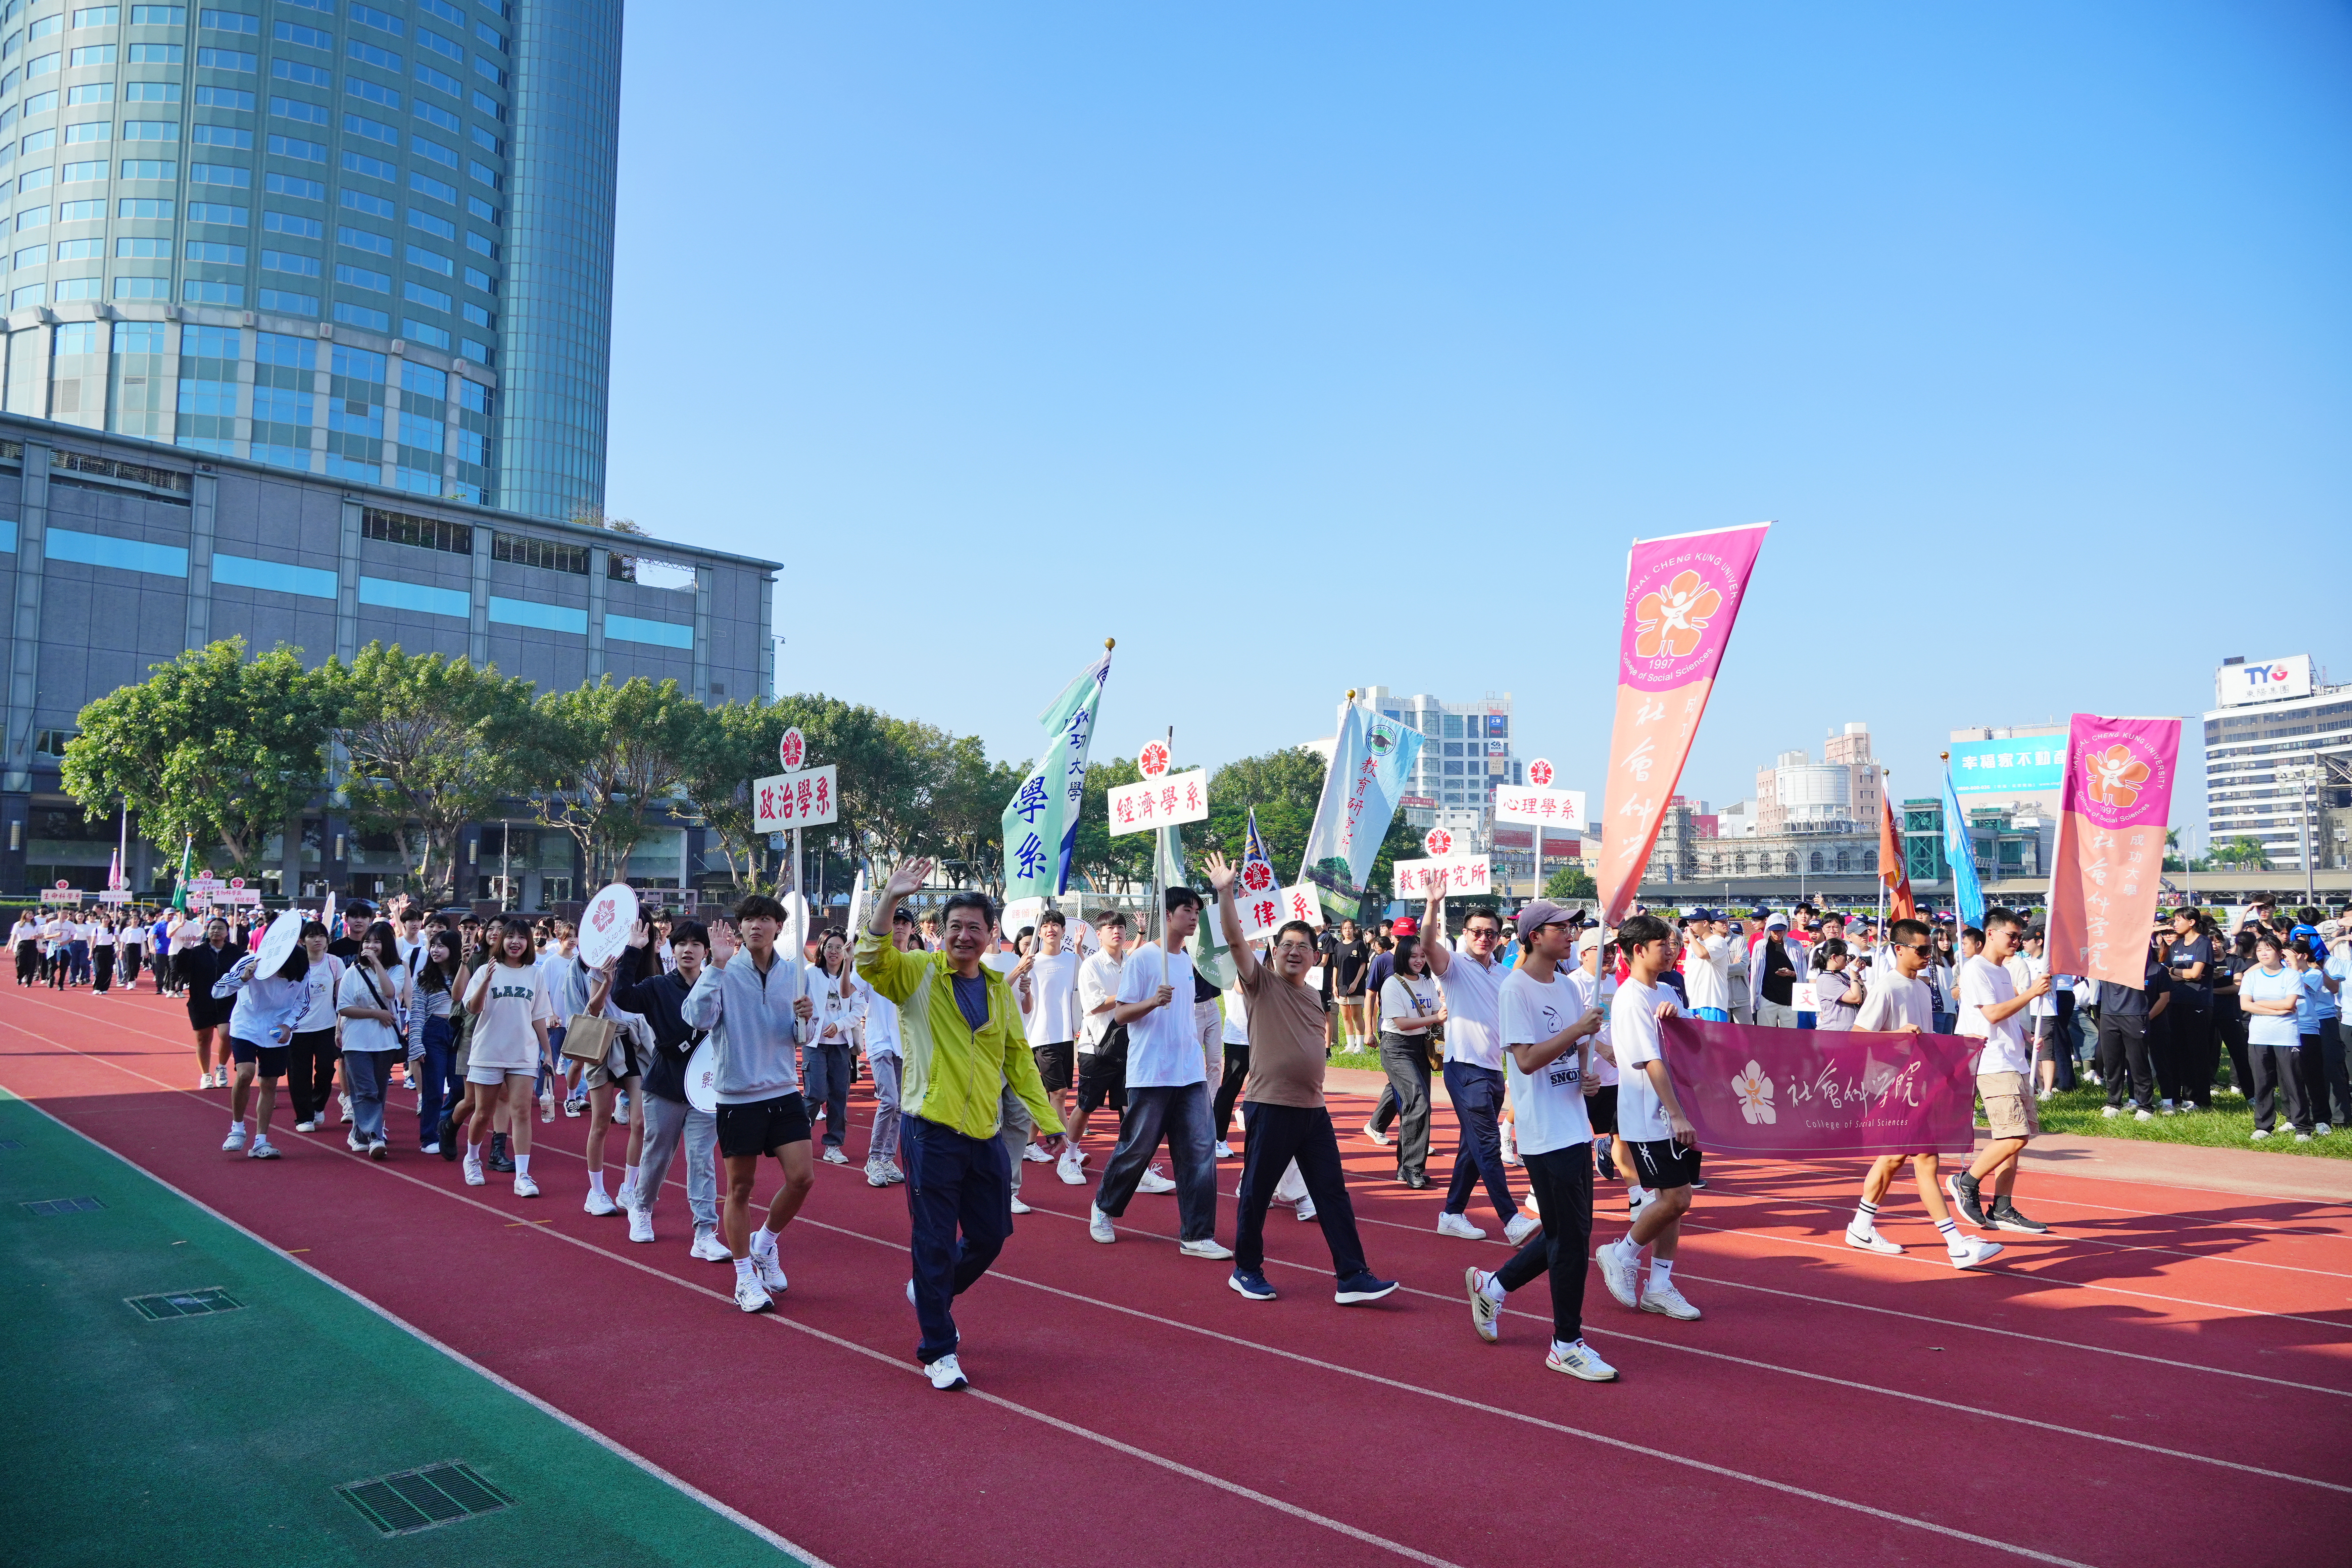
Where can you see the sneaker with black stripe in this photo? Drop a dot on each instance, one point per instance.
(2005, 1217)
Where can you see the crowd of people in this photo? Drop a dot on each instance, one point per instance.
(989, 1051)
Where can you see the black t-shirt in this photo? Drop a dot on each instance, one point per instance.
(1777, 988)
(2233, 968)
(2123, 1002)
(1353, 956)
(2193, 993)
(344, 947)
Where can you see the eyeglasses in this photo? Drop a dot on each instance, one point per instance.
(1292, 947)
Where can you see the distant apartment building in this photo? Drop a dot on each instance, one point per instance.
(2278, 762)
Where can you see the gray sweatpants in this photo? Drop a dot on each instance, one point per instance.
(884, 1144)
(668, 1121)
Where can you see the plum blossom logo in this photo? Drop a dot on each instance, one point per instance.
(1754, 1092)
(2116, 776)
(1673, 621)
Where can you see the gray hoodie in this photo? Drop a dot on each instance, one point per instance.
(752, 1030)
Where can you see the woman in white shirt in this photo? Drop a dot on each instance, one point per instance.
(372, 999)
(1411, 1006)
(833, 990)
(511, 1011)
(310, 1063)
(25, 939)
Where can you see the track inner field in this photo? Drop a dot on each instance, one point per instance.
(2190, 1345)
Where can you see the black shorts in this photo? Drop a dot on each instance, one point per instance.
(1102, 1075)
(748, 1132)
(1664, 1163)
(1601, 1107)
(269, 1062)
(1055, 1061)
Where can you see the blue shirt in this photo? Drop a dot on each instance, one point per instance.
(2260, 985)
(2312, 1006)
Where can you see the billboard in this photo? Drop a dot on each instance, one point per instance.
(2007, 770)
(2265, 682)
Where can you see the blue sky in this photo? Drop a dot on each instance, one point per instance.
(1313, 346)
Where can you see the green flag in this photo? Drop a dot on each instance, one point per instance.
(187, 869)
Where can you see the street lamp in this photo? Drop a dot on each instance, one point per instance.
(2307, 775)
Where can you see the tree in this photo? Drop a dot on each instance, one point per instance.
(211, 746)
(1099, 856)
(1569, 884)
(2241, 851)
(429, 744)
(595, 760)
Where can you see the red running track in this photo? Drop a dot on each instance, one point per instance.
(2167, 1379)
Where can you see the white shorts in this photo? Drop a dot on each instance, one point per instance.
(491, 1076)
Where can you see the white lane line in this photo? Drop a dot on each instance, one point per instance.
(1161, 1461)
(732, 1515)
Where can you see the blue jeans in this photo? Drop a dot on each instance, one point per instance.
(440, 1060)
(1808, 1020)
(953, 1184)
(1946, 1021)
(1182, 1114)
(1478, 1096)
(368, 1073)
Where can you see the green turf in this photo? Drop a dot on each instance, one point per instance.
(221, 1439)
(2229, 1125)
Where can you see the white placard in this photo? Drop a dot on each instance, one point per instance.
(1168, 802)
(1803, 998)
(1457, 873)
(1018, 913)
(59, 896)
(1542, 807)
(278, 942)
(806, 799)
(606, 924)
(1299, 903)
(115, 896)
(204, 884)
(1257, 898)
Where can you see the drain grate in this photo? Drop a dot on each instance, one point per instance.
(183, 1304)
(8, 1145)
(63, 1206)
(412, 1501)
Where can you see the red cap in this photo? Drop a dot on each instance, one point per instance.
(1407, 926)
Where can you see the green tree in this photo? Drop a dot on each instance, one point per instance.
(595, 760)
(212, 746)
(1106, 859)
(429, 745)
(2241, 851)
(1571, 883)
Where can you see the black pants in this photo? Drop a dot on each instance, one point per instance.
(2231, 1031)
(1562, 1181)
(2161, 1061)
(2332, 1038)
(2196, 1053)
(960, 1198)
(28, 958)
(1406, 1059)
(2280, 1071)
(1278, 1135)
(2123, 1054)
(310, 1072)
(1229, 1089)
(104, 959)
(1384, 1114)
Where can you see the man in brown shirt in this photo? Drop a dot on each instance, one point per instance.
(1283, 1114)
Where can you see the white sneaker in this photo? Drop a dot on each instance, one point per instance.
(600, 1204)
(770, 1273)
(2111, 1110)
(1972, 1251)
(1870, 1241)
(205, 1079)
(1637, 1198)
(833, 1156)
(1521, 1226)
(1376, 1135)
(1098, 1225)
(2142, 1116)
(1207, 1247)
(641, 1224)
(1018, 1207)
(378, 1150)
(875, 1174)
(234, 1141)
(1151, 1181)
(946, 1375)
(1484, 1309)
(2321, 1130)
(1459, 1224)
(1306, 1210)
(750, 1297)
(2165, 1106)
(2303, 1137)
(355, 1142)
(1037, 1157)
(890, 1169)
(474, 1174)
(1667, 1302)
(1620, 1273)
(525, 1187)
(306, 1127)
(2261, 1134)
(1071, 1166)
(708, 1247)
(1224, 1151)
(1510, 1149)
(262, 1149)
(345, 1101)
(1579, 1361)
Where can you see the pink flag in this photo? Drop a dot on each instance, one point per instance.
(2112, 811)
(1795, 1093)
(1681, 595)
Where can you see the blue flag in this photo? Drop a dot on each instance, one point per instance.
(1967, 892)
(1041, 824)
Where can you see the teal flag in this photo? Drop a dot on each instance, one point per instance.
(1041, 824)
(1371, 757)
(1967, 892)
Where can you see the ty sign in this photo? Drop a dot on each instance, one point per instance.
(1168, 801)
(804, 799)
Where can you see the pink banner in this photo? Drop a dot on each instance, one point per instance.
(1800, 1093)
(1681, 595)
(2105, 876)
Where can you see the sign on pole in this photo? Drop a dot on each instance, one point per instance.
(804, 799)
(1153, 760)
(1168, 801)
(1448, 873)
(1437, 842)
(1539, 773)
(1300, 903)
(1542, 807)
(792, 750)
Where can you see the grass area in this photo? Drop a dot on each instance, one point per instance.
(1367, 1060)
(2229, 1125)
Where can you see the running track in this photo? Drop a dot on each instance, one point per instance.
(2168, 1379)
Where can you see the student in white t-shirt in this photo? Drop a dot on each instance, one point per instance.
(1900, 1003)
(1167, 1088)
(1050, 1011)
(1548, 1057)
(511, 1008)
(1991, 1010)
(1649, 1118)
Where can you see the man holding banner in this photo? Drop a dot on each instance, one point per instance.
(1990, 1006)
(1650, 1119)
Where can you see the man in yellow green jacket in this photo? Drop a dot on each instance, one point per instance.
(960, 1044)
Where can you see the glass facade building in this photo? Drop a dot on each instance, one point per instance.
(367, 241)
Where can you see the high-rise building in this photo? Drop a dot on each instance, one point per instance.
(2278, 763)
(367, 241)
(1467, 754)
(1797, 795)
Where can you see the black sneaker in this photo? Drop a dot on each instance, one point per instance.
(2006, 1218)
(1607, 1167)
(1961, 1188)
(502, 1162)
(447, 1136)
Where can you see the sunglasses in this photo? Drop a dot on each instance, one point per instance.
(1923, 950)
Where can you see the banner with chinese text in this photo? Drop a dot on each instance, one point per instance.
(1785, 1093)
(1041, 824)
(1257, 891)
(1682, 597)
(1371, 757)
(1168, 801)
(2105, 874)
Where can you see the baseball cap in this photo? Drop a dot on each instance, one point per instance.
(1540, 913)
(1776, 922)
(902, 913)
(1760, 914)
(1405, 926)
(1591, 939)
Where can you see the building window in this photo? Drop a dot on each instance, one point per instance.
(360, 202)
(360, 277)
(374, 130)
(423, 533)
(197, 292)
(525, 551)
(361, 316)
(224, 60)
(158, 16)
(434, 114)
(295, 33)
(217, 254)
(419, 294)
(359, 87)
(216, 136)
(360, 240)
(295, 187)
(431, 225)
(434, 78)
(426, 147)
(369, 16)
(368, 53)
(288, 302)
(289, 261)
(229, 22)
(235, 176)
(165, 92)
(277, 221)
(425, 333)
(295, 70)
(296, 109)
(295, 147)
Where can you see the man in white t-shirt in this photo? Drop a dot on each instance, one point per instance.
(1548, 1043)
(1650, 1119)
(1990, 1009)
(1900, 1004)
(1707, 967)
(1473, 982)
(1592, 985)
(1102, 1046)
(1051, 1010)
(1166, 1087)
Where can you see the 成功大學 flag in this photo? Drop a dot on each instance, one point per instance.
(1041, 824)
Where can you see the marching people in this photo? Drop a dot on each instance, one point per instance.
(1473, 983)
(373, 996)
(668, 1118)
(1990, 1003)
(263, 1013)
(1650, 1118)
